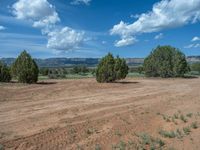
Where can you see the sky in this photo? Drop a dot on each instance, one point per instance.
(92, 28)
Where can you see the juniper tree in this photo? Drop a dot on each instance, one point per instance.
(25, 69)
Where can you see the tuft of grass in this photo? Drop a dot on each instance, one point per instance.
(189, 115)
(182, 117)
(117, 132)
(97, 147)
(194, 125)
(145, 139)
(179, 134)
(175, 116)
(120, 146)
(174, 121)
(166, 118)
(90, 131)
(1, 147)
(153, 143)
(158, 113)
(186, 130)
(167, 134)
(78, 147)
(125, 146)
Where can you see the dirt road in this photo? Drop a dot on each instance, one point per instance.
(83, 114)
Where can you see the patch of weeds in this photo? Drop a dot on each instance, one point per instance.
(1, 147)
(78, 147)
(50, 130)
(117, 132)
(174, 121)
(189, 115)
(158, 113)
(153, 143)
(175, 116)
(167, 134)
(120, 146)
(125, 146)
(131, 145)
(72, 131)
(160, 142)
(90, 131)
(179, 134)
(198, 113)
(182, 117)
(166, 118)
(186, 130)
(97, 147)
(194, 125)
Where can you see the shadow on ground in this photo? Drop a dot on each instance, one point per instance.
(46, 83)
(127, 82)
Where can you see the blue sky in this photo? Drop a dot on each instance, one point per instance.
(92, 28)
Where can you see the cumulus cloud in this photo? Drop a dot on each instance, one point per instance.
(44, 16)
(64, 39)
(164, 15)
(159, 36)
(78, 2)
(41, 12)
(2, 28)
(125, 41)
(194, 39)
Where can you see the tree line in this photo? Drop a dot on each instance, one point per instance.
(163, 61)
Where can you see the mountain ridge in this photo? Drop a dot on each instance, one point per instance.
(90, 62)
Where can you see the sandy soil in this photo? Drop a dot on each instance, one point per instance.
(83, 114)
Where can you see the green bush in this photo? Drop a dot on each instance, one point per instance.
(121, 69)
(79, 69)
(111, 69)
(25, 69)
(44, 71)
(166, 61)
(58, 73)
(195, 67)
(5, 75)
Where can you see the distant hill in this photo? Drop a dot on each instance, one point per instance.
(193, 59)
(90, 62)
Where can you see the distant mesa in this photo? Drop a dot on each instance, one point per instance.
(89, 62)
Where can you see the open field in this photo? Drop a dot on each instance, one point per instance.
(82, 114)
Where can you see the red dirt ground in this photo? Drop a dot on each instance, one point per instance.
(83, 114)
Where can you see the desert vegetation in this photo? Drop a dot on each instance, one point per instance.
(137, 113)
(166, 61)
(25, 69)
(111, 69)
(5, 75)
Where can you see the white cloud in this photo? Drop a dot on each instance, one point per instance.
(159, 36)
(64, 39)
(164, 15)
(195, 39)
(78, 2)
(193, 46)
(2, 28)
(44, 15)
(125, 42)
(41, 12)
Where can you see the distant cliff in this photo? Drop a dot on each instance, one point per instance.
(90, 62)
